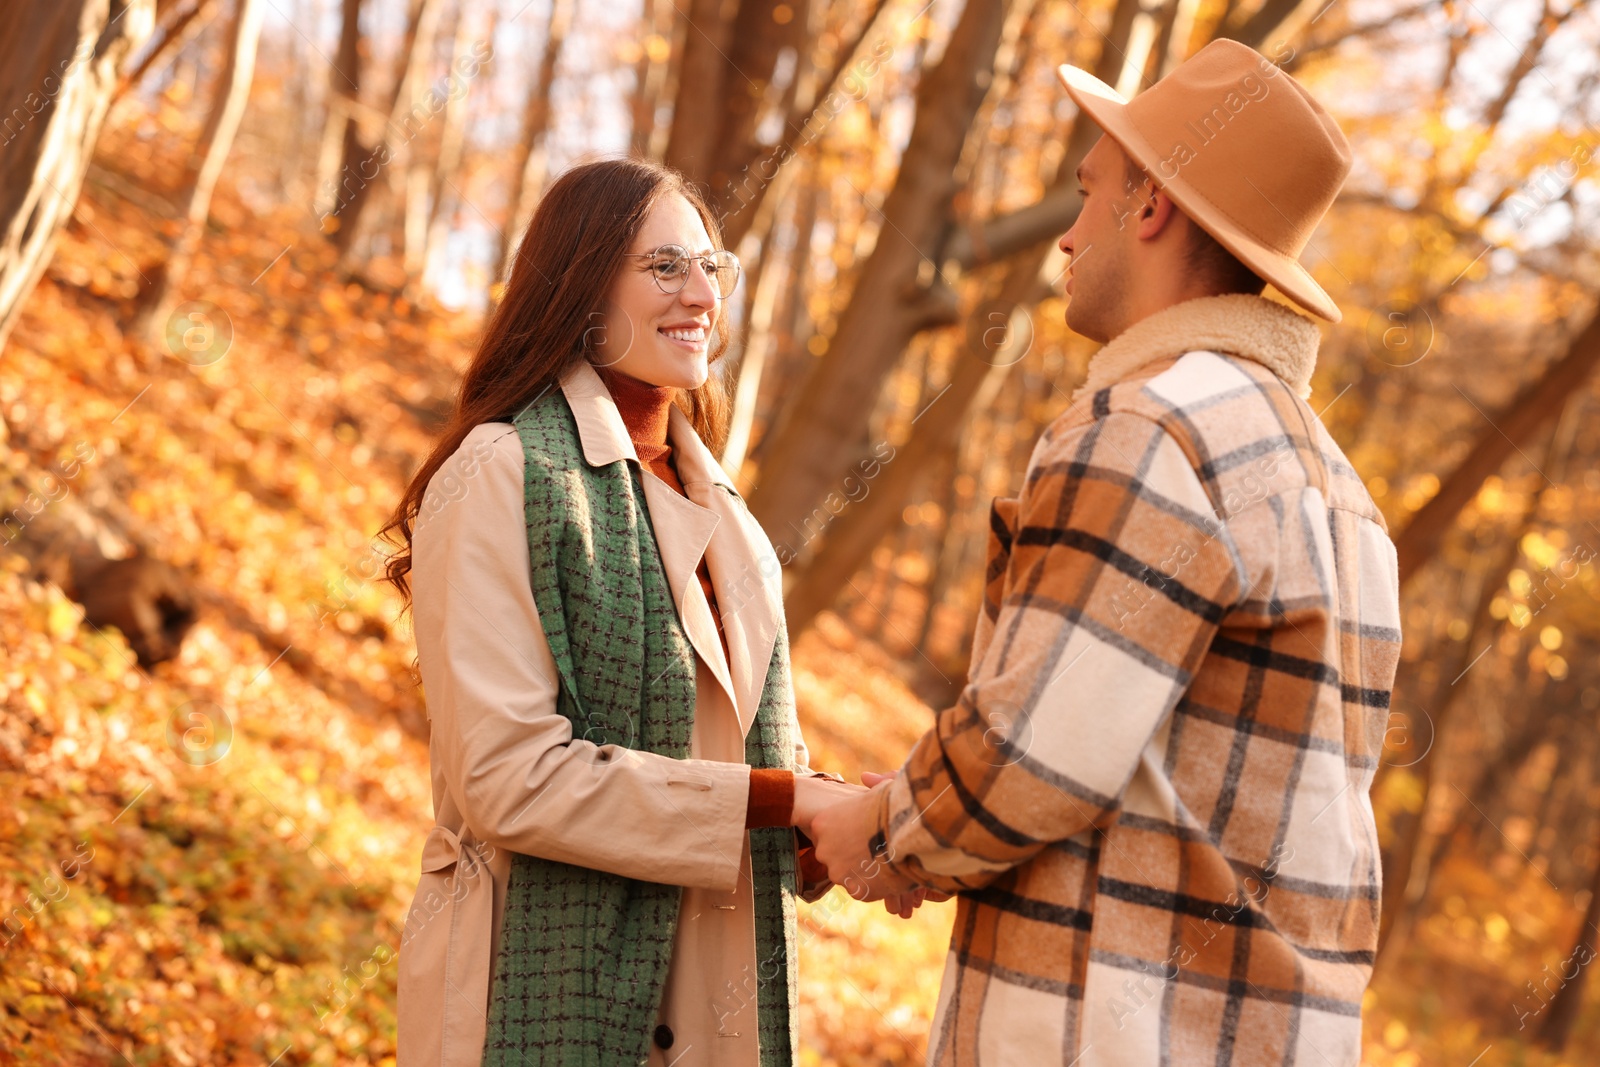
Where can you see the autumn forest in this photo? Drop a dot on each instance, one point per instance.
(250, 247)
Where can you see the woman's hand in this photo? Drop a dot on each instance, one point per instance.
(907, 901)
(812, 795)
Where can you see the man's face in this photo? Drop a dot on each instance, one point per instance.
(1100, 243)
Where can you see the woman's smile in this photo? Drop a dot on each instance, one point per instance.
(689, 336)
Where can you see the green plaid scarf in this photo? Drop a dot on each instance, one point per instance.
(583, 954)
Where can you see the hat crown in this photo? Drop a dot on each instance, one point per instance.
(1241, 148)
(1230, 128)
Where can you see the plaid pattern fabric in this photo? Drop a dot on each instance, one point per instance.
(1152, 793)
(583, 954)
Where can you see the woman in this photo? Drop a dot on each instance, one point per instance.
(616, 763)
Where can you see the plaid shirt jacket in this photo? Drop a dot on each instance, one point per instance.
(1152, 794)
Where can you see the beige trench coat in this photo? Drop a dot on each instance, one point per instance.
(509, 775)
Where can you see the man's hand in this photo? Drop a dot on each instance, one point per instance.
(903, 904)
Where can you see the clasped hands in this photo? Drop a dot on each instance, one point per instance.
(840, 819)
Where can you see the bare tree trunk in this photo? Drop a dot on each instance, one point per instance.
(995, 345)
(427, 223)
(346, 84)
(414, 182)
(900, 291)
(301, 134)
(896, 294)
(58, 73)
(945, 549)
(762, 338)
(1504, 761)
(651, 72)
(1052, 214)
(748, 85)
(1272, 21)
(1410, 858)
(704, 52)
(1539, 723)
(1565, 1005)
(1509, 429)
(528, 162)
(788, 337)
(172, 36)
(1174, 46)
(216, 141)
(991, 348)
(363, 158)
(743, 198)
(732, 52)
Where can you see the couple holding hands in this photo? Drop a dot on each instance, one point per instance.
(1150, 799)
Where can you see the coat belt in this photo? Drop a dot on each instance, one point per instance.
(465, 918)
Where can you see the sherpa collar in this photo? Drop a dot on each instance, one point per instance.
(1250, 327)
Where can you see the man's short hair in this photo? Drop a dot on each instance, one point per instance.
(1205, 255)
(1207, 258)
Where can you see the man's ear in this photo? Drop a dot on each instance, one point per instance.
(1155, 213)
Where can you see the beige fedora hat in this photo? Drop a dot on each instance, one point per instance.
(1241, 147)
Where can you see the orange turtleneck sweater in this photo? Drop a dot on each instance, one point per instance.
(645, 410)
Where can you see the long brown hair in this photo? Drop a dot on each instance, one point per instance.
(564, 268)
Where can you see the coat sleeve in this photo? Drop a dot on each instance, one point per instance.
(510, 762)
(1118, 574)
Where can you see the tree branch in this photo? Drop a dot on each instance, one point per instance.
(1509, 429)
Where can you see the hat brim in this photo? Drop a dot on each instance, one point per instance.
(1108, 109)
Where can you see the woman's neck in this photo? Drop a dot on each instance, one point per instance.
(644, 408)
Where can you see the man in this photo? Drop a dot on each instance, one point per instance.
(1151, 796)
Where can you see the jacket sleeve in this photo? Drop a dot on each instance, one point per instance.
(1117, 576)
(510, 762)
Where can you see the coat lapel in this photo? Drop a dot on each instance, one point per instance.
(686, 530)
(745, 574)
(683, 532)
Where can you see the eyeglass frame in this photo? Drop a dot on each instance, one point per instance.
(656, 253)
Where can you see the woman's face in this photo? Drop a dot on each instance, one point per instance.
(661, 338)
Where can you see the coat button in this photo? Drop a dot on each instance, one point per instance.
(663, 1036)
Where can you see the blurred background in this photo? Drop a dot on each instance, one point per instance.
(248, 248)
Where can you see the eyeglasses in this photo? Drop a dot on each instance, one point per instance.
(669, 266)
